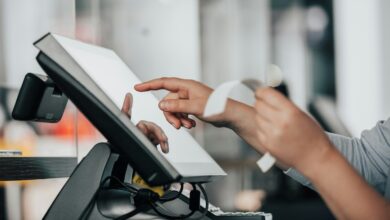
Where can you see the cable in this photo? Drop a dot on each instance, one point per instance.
(129, 187)
(161, 214)
(89, 208)
(150, 203)
(162, 199)
(155, 208)
(206, 199)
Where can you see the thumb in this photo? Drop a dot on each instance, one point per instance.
(127, 105)
(194, 106)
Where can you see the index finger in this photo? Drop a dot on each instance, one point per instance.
(169, 83)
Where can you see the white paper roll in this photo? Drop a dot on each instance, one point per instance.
(216, 103)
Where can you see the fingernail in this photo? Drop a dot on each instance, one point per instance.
(163, 105)
(177, 127)
(166, 147)
(163, 147)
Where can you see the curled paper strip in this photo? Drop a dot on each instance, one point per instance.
(217, 100)
(266, 162)
(216, 103)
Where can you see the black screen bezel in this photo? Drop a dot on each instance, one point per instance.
(118, 131)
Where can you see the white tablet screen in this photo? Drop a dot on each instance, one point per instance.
(115, 78)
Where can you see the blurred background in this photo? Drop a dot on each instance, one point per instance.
(333, 55)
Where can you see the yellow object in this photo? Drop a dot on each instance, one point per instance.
(141, 183)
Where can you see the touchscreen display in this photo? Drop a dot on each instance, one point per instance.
(115, 78)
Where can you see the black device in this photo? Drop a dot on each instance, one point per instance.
(61, 58)
(39, 99)
(82, 197)
(96, 198)
(119, 131)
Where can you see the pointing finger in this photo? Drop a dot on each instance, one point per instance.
(183, 106)
(168, 83)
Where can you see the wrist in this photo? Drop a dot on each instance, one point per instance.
(311, 165)
(235, 114)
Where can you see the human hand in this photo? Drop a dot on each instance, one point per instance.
(154, 133)
(185, 97)
(287, 133)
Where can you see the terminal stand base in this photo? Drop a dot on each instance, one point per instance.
(81, 197)
(77, 198)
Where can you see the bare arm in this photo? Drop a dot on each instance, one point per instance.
(369, 155)
(346, 193)
(295, 139)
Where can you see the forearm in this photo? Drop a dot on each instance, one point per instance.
(368, 155)
(345, 192)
